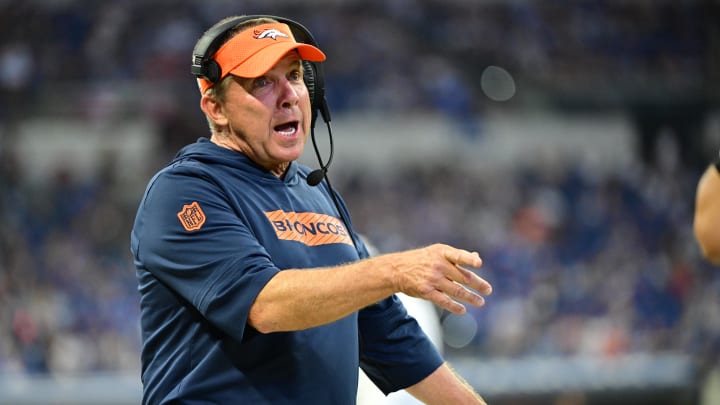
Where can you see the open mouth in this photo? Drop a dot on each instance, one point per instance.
(287, 129)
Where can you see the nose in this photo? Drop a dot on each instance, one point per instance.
(288, 94)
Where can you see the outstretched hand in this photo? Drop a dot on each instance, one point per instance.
(437, 273)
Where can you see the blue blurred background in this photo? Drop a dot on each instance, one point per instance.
(561, 140)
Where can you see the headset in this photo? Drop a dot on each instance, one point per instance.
(204, 66)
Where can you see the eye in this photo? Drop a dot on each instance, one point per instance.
(295, 75)
(260, 82)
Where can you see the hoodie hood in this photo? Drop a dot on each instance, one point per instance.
(205, 151)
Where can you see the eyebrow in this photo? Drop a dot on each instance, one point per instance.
(295, 65)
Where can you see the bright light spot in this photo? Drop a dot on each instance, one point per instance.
(497, 83)
(459, 330)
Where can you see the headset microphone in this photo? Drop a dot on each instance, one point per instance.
(316, 176)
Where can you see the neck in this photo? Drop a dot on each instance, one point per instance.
(226, 141)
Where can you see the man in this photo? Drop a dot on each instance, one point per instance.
(706, 222)
(254, 288)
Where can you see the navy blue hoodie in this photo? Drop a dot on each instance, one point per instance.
(211, 230)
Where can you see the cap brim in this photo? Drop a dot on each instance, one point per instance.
(264, 60)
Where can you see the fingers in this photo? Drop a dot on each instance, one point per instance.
(458, 292)
(474, 281)
(460, 284)
(461, 257)
(437, 273)
(445, 302)
(458, 273)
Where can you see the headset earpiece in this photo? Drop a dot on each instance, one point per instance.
(212, 70)
(203, 66)
(317, 98)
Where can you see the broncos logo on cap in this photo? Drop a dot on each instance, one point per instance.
(269, 33)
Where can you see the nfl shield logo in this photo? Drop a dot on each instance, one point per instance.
(191, 217)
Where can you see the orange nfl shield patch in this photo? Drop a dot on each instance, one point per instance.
(191, 217)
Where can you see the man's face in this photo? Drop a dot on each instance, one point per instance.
(269, 116)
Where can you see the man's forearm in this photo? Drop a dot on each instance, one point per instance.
(444, 386)
(300, 299)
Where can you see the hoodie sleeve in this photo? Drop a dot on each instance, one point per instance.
(395, 353)
(188, 237)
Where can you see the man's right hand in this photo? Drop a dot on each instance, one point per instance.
(437, 273)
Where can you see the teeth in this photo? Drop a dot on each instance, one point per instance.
(286, 130)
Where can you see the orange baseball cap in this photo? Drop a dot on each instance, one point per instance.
(254, 51)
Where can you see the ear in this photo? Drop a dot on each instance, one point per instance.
(213, 109)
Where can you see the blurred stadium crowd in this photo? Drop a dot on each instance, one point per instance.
(581, 262)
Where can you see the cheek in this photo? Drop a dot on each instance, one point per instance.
(253, 112)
